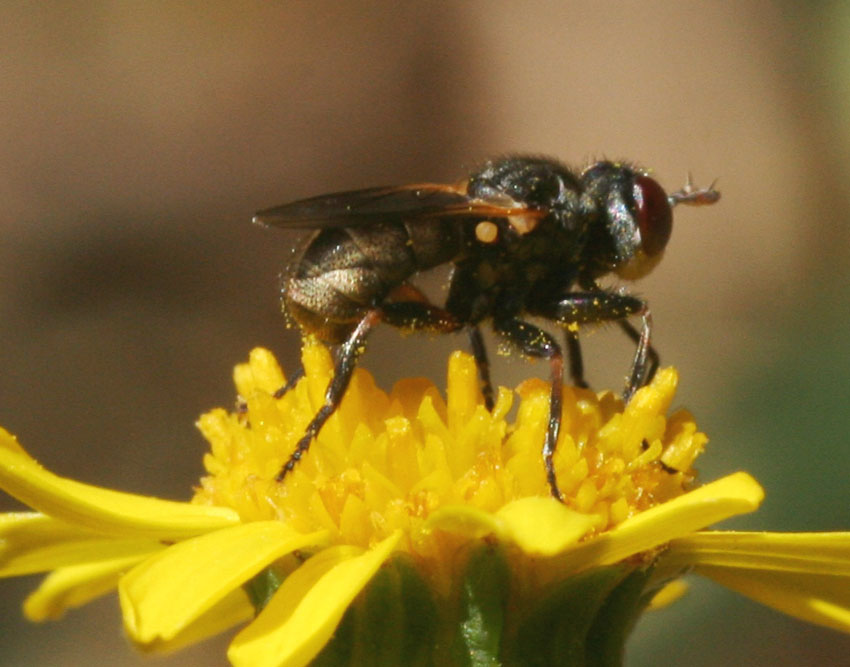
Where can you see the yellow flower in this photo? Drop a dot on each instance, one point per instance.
(414, 529)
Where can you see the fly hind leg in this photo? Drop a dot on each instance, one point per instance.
(349, 353)
(416, 315)
(242, 405)
(290, 383)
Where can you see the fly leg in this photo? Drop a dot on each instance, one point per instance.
(574, 356)
(242, 406)
(290, 383)
(534, 342)
(575, 308)
(652, 354)
(476, 342)
(471, 307)
(414, 315)
(349, 353)
(419, 316)
(425, 316)
(408, 308)
(640, 368)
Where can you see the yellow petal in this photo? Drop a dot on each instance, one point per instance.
(10, 442)
(74, 586)
(32, 542)
(668, 594)
(726, 497)
(817, 598)
(234, 609)
(806, 575)
(101, 509)
(308, 606)
(167, 592)
(815, 553)
(543, 526)
(465, 520)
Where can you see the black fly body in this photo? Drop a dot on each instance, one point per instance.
(526, 238)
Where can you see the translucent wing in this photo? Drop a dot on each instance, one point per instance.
(385, 204)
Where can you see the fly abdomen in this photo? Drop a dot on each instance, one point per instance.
(344, 272)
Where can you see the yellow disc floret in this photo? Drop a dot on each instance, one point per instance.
(388, 461)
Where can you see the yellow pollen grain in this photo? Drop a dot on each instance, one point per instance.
(486, 231)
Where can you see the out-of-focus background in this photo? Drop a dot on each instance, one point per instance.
(137, 140)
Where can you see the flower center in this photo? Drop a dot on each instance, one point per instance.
(388, 461)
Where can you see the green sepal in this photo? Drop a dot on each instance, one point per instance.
(263, 586)
(483, 598)
(583, 621)
(606, 640)
(392, 622)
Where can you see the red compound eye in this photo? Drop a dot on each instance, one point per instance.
(653, 213)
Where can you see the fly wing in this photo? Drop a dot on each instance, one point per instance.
(386, 204)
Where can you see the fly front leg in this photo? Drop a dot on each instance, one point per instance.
(575, 308)
(652, 354)
(349, 353)
(534, 342)
(640, 368)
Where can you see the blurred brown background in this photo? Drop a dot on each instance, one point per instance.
(137, 140)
